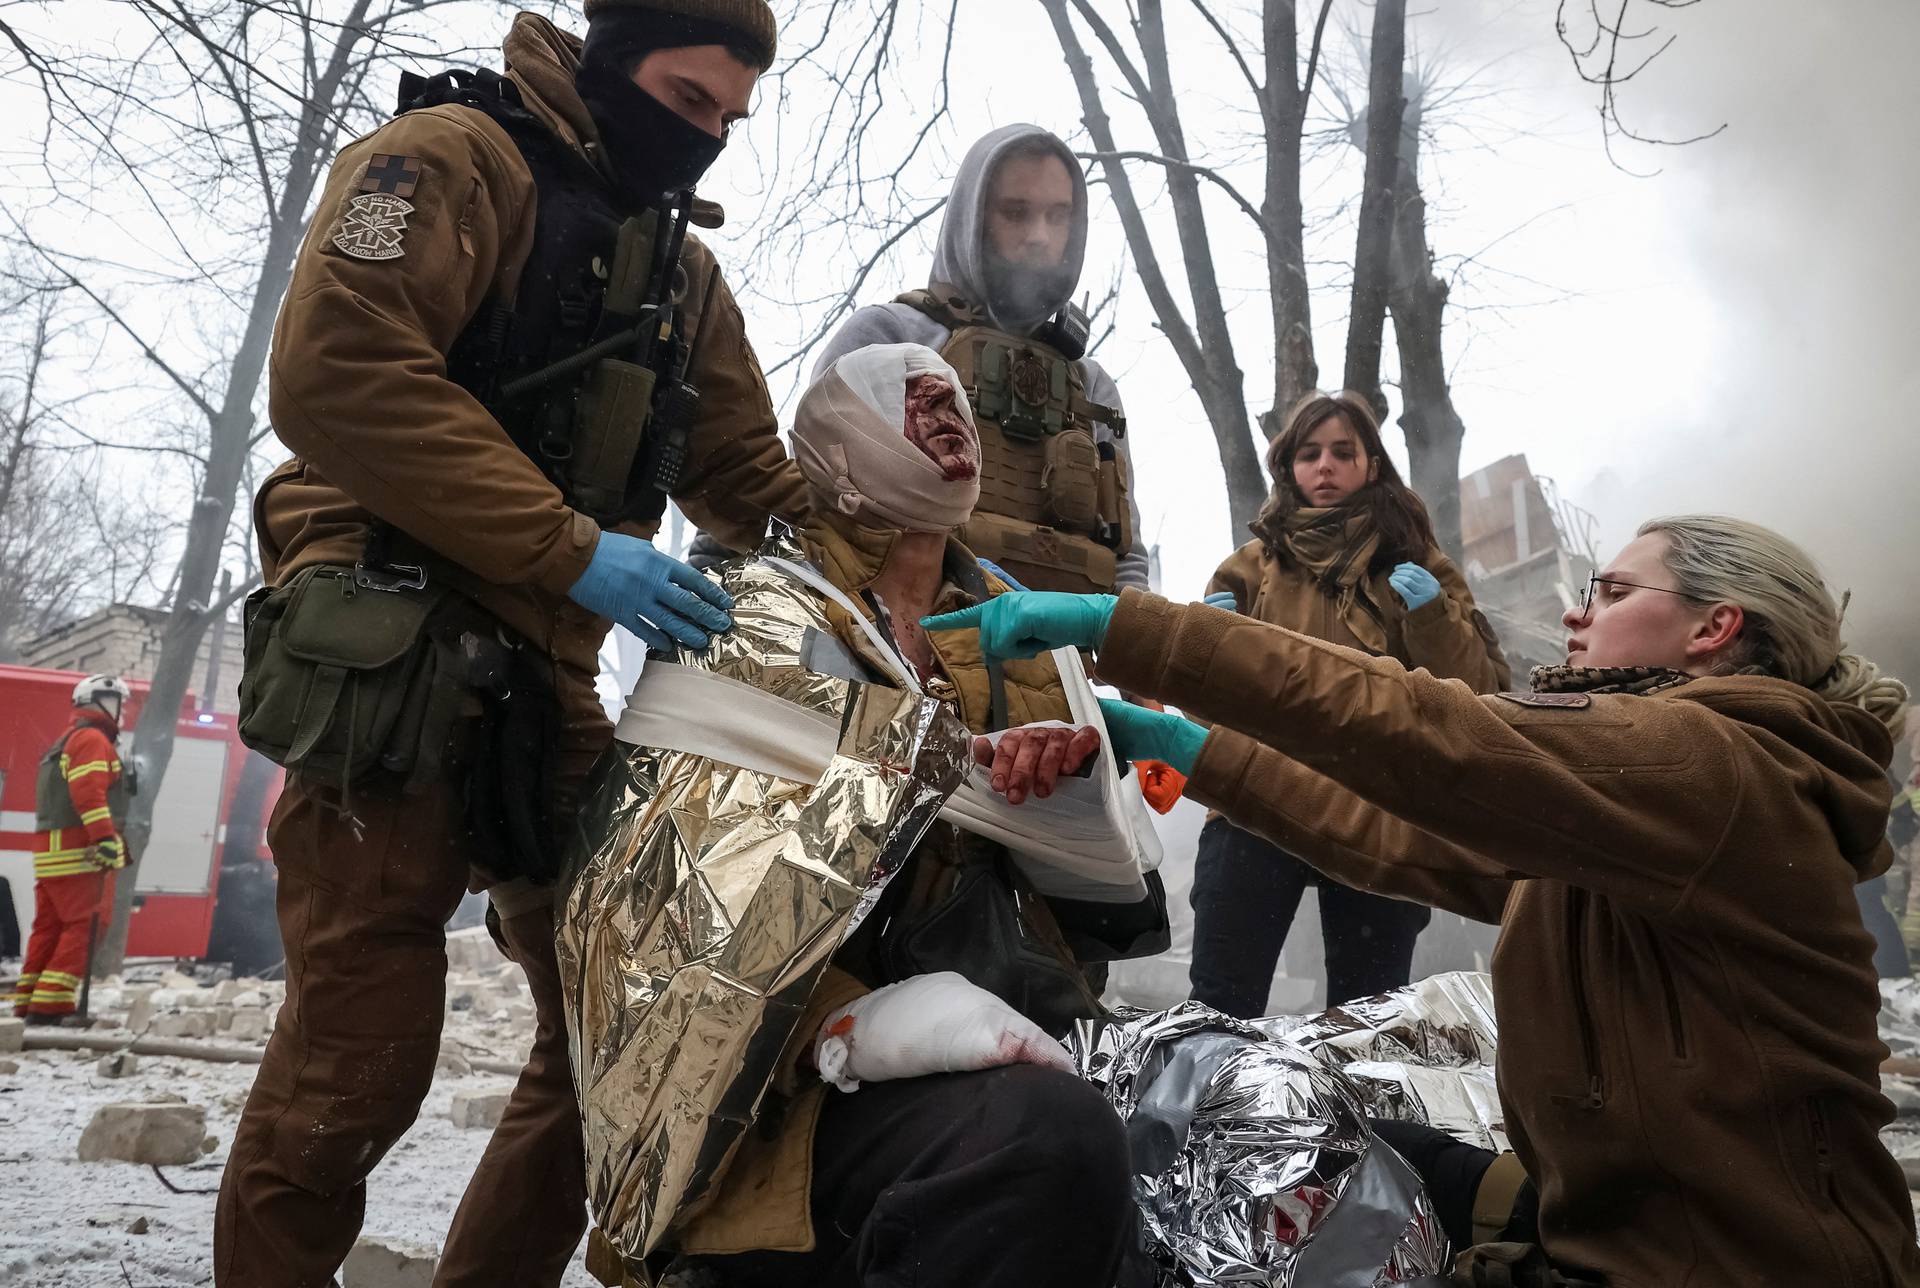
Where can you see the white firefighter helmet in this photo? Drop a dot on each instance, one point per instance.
(89, 691)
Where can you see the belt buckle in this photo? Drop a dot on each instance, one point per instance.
(391, 579)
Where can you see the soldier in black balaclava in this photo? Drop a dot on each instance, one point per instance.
(460, 247)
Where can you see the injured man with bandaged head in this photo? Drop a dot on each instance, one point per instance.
(816, 969)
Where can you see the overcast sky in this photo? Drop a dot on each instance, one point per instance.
(1728, 334)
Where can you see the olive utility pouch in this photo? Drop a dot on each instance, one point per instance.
(343, 679)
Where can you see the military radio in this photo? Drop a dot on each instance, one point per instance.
(1067, 331)
(630, 420)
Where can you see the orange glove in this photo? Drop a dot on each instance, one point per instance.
(1160, 783)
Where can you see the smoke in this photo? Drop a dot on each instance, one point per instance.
(1793, 232)
(1801, 218)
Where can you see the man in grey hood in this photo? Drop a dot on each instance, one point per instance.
(1055, 510)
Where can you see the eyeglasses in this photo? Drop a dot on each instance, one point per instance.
(1595, 579)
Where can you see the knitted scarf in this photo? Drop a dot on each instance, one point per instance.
(1335, 545)
(1605, 679)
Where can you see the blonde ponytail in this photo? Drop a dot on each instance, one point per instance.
(1792, 628)
(1858, 681)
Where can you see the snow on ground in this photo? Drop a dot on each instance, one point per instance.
(68, 1224)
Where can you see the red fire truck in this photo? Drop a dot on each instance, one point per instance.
(210, 813)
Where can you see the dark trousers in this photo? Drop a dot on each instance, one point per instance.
(1245, 892)
(9, 922)
(362, 904)
(1009, 1178)
(1452, 1171)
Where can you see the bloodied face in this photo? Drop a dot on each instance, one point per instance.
(934, 425)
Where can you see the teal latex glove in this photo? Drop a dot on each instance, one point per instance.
(658, 598)
(1140, 734)
(1414, 584)
(1222, 599)
(1028, 623)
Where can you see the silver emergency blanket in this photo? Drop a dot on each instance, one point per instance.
(1424, 1053)
(707, 899)
(1252, 1159)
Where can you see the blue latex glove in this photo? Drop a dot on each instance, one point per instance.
(1139, 734)
(1028, 623)
(658, 598)
(1222, 599)
(1414, 584)
(1001, 573)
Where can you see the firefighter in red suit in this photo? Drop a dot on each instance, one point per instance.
(79, 806)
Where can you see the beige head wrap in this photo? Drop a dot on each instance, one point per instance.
(849, 439)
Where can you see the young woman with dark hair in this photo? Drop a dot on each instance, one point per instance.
(1344, 551)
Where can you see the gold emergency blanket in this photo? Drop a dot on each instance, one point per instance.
(705, 899)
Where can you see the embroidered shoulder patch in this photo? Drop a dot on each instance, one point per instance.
(395, 176)
(1571, 701)
(373, 226)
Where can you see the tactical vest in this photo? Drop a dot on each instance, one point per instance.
(1053, 495)
(53, 802)
(561, 365)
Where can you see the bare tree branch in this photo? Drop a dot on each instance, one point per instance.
(1313, 55)
(1598, 62)
(849, 299)
(1205, 172)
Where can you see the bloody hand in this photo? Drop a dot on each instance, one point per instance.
(1031, 760)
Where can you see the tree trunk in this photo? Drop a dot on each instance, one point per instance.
(1418, 299)
(1295, 370)
(193, 605)
(230, 432)
(1373, 247)
(1207, 358)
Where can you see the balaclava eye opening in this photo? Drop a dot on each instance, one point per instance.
(653, 151)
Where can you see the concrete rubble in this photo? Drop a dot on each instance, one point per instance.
(196, 1087)
(489, 1015)
(117, 1064)
(164, 1135)
(388, 1263)
(477, 1109)
(182, 1024)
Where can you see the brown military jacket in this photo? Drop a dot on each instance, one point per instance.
(1446, 635)
(1689, 1053)
(358, 386)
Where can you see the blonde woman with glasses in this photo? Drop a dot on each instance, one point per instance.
(1668, 829)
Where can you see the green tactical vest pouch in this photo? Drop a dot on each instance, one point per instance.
(343, 680)
(1070, 481)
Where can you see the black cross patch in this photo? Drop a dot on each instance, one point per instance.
(390, 174)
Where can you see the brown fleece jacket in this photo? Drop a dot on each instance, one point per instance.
(1447, 635)
(1689, 1057)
